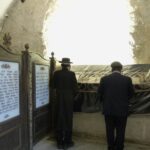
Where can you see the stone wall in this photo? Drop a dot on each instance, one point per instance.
(141, 33)
(92, 126)
(24, 23)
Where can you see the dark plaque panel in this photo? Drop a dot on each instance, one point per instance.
(41, 122)
(41, 103)
(11, 140)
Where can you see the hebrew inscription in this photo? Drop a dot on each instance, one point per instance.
(41, 85)
(9, 90)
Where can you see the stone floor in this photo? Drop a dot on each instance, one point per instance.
(81, 144)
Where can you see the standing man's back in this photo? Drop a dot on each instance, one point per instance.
(115, 91)
(65, 79)
(65, 84)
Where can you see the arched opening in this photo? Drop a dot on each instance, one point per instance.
(90, 32)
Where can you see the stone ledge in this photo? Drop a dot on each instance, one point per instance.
(91, 125)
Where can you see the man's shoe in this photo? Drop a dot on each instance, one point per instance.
(60, 146)
(69, 144)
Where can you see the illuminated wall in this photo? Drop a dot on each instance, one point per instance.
(31, 21)
(24, 23)
(90, 31)
(141, 33)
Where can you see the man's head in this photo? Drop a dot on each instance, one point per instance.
(65, 62)
(116, 66)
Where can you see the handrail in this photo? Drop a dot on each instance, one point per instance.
(94, 91)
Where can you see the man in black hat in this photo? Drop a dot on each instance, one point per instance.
(115, 91)
(65, 83)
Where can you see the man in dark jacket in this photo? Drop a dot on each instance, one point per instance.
(115, 91)
(65, 83)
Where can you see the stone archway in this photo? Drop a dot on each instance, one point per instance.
(24, 23)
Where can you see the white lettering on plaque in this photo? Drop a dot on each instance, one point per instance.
(42, 85)
(9, 90)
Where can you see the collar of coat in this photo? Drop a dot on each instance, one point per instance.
(116, 71)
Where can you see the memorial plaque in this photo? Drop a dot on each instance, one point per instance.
(9, 90)
(41, 85)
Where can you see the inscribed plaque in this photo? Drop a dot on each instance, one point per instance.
(41, 85)
(9, 90)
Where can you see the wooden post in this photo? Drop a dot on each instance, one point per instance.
(52, 97)
(52, 67)
(26, 91)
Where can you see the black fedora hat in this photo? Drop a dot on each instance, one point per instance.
(65, 61)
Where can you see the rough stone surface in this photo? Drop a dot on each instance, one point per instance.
(93, 125)
(141, 33)
(25, 24)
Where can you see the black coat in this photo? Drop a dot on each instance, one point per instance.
(115, 91)
(65, 83)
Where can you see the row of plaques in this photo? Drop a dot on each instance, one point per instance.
(10, 88)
